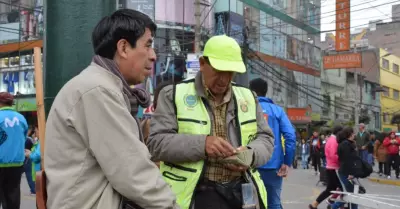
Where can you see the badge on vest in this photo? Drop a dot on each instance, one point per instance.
(190, 100)
(243, 106)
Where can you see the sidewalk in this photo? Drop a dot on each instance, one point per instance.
(383, 180)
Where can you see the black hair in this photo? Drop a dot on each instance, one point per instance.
(125, 24)
(259, 86)
(157, 91)
(345, 134)
(337, 129)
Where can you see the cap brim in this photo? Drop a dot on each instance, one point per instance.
(227, 66)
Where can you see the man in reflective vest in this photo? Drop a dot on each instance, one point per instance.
(200, 122)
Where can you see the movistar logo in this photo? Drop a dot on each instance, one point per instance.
(11, 123)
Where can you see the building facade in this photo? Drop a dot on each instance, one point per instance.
(21, 29)
(390, 81)
(362, 94)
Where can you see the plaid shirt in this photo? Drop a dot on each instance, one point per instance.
(216, 171)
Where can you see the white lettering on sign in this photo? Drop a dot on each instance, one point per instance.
(11, 123)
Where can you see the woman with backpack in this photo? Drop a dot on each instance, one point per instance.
(351, 166)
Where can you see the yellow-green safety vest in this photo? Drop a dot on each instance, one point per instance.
(193, 118)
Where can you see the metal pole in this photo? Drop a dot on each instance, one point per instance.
(356, 103)
(69, 24)
(198, 26)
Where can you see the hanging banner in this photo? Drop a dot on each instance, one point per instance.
(351, 60)
(143, 6)
(342, 25)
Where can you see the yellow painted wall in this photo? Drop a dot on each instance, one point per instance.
(392, 80)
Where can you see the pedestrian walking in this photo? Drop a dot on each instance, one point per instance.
(94, 155)
(13, 132)
(348, 155)
(305, 153)
(332, 165)
(28, 162)
(392, 143)
(315, 152)
(277, 167)
(208, 133)
(34, 155)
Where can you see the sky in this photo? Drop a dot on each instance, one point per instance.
(368, 10)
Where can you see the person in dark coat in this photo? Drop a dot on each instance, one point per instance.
(362, 140)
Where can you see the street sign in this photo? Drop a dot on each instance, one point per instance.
(192, 65)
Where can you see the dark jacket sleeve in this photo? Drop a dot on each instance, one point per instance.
(345, 158)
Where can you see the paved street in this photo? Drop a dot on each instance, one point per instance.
(298, 191)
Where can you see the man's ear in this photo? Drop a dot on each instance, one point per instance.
(122, 48)
(202, 63)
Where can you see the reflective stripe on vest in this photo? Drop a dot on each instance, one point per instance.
(193, 118)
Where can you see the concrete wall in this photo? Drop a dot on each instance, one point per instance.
(386, 36)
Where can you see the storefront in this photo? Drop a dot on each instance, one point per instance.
(27, 107)
(17, 73)
(301, 119)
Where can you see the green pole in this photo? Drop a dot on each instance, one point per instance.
(67, 43)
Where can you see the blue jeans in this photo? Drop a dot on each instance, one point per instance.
(370, 158)
(273, 184)
(28, 175)
(304, 160)
(349, 187)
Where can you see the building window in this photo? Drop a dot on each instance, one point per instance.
(377, 120)
(385, 64)
(395, 94)
(395, 68)
(386, 91)
(385, 117)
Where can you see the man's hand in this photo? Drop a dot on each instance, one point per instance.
(237, 168)
(217, 147)
(283, 171)
(363, 147)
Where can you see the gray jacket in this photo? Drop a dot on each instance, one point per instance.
(93, 154)
(165, 144)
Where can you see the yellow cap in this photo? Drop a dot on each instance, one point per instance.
(224, 54)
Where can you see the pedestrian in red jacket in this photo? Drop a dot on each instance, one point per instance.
(392, 144)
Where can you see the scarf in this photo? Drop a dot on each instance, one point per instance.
(136, 96)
